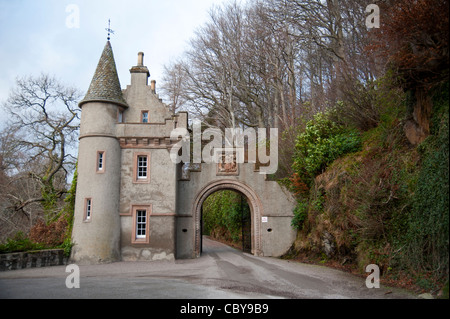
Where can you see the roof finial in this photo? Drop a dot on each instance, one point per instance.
(109, 29)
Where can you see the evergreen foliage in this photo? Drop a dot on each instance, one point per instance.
(321, 143)
(223, 212)
(428, 232)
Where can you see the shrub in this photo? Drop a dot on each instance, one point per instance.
(364, 103)
(20, 242)
(320, 144)
(300, 214)
(52, 234)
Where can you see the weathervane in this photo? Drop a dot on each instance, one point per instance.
(109, 29)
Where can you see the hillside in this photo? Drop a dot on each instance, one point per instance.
(386, 204)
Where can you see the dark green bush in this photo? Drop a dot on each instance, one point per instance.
(322, 142)
(222, 215)
(20, 242)
(300, 214)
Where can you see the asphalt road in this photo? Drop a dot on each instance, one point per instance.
(220, 273)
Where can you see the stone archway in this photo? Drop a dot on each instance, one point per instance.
(256, 210)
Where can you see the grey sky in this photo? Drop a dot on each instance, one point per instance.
(40, 36)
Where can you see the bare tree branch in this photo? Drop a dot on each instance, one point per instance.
(42, 130)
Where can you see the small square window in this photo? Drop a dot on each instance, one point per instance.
(145, 117)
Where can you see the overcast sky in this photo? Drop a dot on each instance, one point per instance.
(66, 38)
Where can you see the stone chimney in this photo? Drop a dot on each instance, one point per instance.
(153, 86)
(140, 73)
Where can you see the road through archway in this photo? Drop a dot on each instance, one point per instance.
(226, 217)
(256, 211)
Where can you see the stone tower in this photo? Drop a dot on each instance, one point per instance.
(97, 236)
(125, 205)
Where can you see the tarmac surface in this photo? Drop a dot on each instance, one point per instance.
(221, 272)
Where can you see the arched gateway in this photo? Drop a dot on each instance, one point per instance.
(133, 202)
(271, 209)
(256, 210)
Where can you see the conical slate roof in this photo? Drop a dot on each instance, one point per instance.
(105, 85)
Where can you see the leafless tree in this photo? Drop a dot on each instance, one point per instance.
(173, 85)
(36, 145)
(275, 63)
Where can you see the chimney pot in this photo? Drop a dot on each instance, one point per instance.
(140, 59)
(153, 86)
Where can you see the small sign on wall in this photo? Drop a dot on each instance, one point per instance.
(264, 219)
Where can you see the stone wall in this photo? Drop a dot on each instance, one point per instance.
(41, 258)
